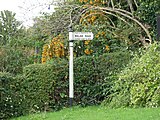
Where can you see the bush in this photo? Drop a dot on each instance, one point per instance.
(139, 83)
(109, 65)
(14, 59)
(85, 81)
(94, 76)
(60, 93)
(11, 98)
(44, 87)
(38, 86)
(48, 83)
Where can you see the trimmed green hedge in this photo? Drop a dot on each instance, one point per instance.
(39, 82)
(11, 98)
(44, 87)
(94, 76)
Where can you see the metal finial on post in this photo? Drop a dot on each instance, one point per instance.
(70, 29)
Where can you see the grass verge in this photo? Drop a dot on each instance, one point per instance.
(97, 113)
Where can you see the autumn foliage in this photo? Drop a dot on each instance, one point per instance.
(54, 49)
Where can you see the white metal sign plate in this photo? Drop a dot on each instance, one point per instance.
(80, 35)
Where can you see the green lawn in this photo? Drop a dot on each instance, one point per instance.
(97, 113)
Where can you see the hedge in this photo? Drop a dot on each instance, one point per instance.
(94, 76)
(44, 87)
(40, 85)
(11, 98)
(139, 83)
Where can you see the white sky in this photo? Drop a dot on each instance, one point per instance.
(27, 9)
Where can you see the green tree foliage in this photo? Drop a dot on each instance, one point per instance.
(117, 22)
(9, 27)
(16, 48)
(13, 59)
(146, 12)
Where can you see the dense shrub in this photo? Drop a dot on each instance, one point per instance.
(14, 59)
(109, 65)
(94, 76)
(38, 87)
(60, 93)
(85, 80)
(139, 83)
(44, 87)
(11, 98)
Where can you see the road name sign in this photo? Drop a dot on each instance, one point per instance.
(80, 35)
(75, 36)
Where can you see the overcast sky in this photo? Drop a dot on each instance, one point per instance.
(27, 9)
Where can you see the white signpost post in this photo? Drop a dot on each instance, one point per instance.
(75, 36)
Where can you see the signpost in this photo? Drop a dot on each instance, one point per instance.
(81, 35)
(75, 36)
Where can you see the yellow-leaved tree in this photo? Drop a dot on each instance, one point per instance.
(55, 49)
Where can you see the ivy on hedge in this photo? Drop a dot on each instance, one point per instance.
(139, 83)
